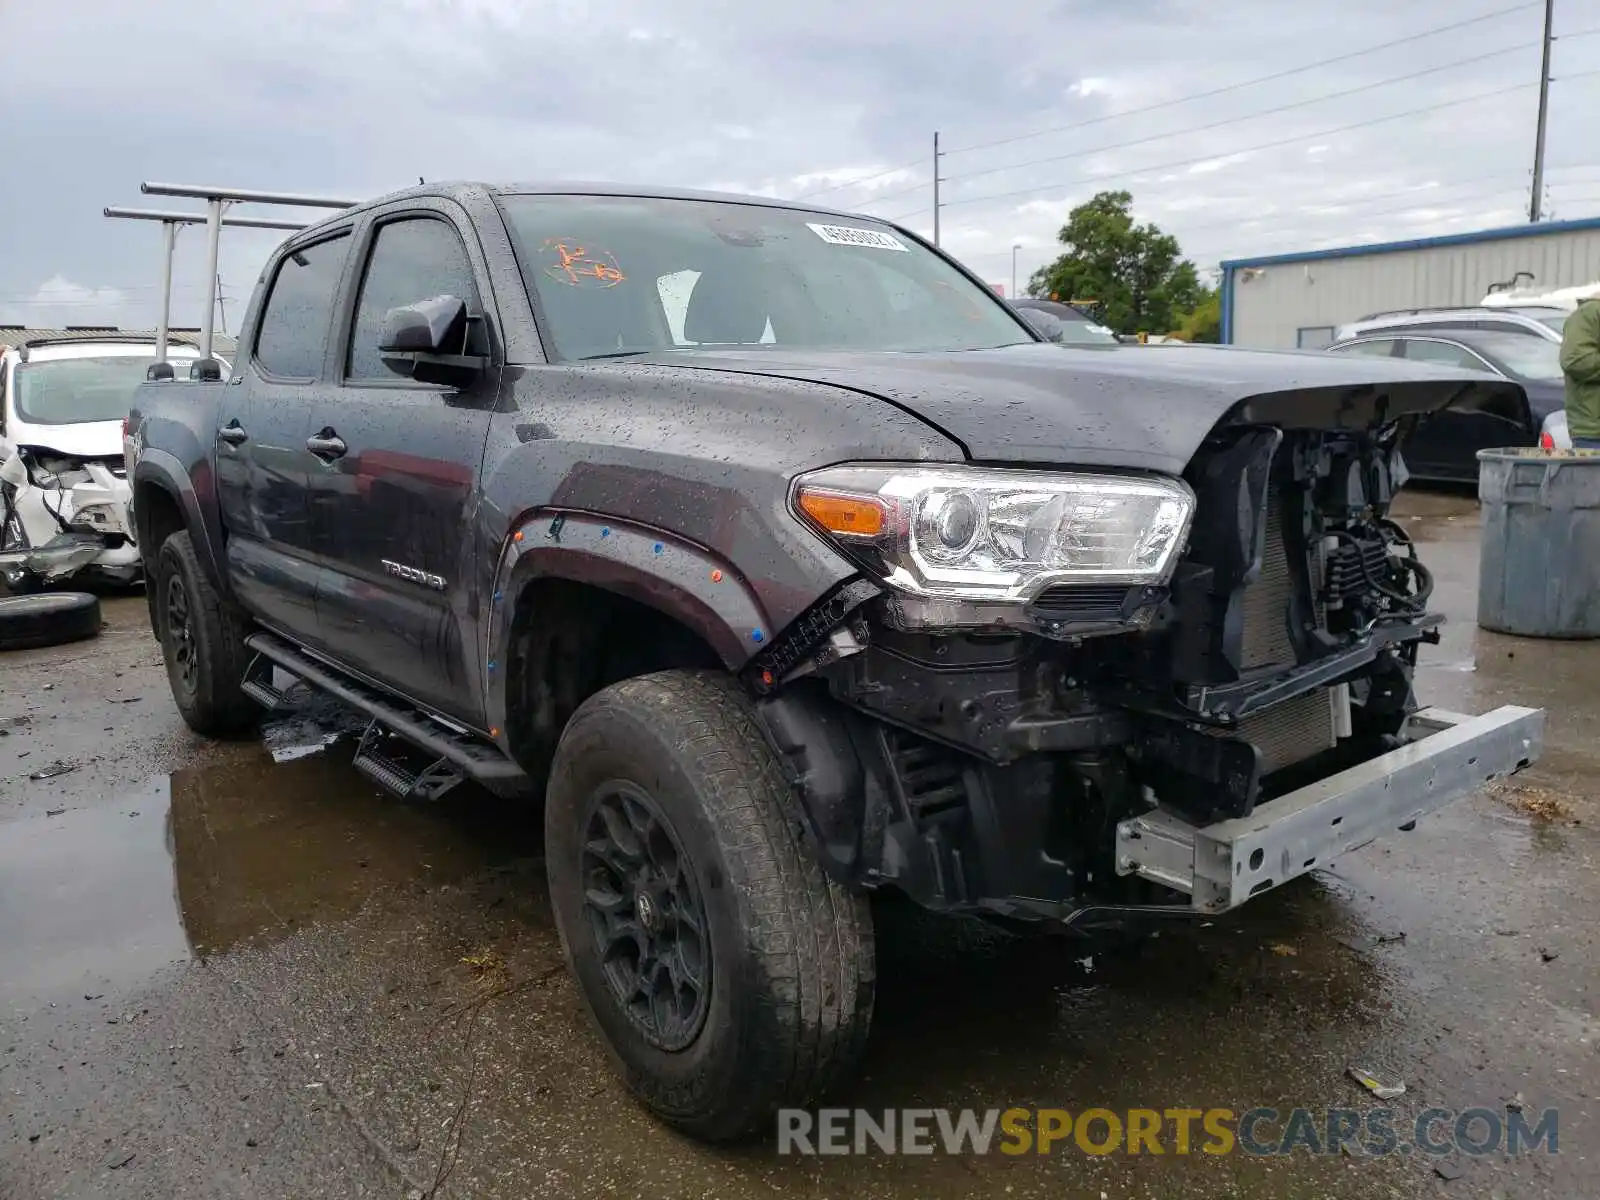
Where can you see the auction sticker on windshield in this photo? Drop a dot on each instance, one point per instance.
(849, 235)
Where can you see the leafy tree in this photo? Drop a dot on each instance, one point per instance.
(1135, 273)
(1203, 323)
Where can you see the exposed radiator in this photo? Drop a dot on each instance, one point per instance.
(1295, 730)
(1265, 641)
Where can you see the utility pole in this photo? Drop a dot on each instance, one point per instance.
(936, 187)
(221, 304)
(1015, 246)
(1544, 112)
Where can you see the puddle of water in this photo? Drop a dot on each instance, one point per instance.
(195, 864)
(86, 899)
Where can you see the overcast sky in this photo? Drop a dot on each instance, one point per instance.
(360, 97)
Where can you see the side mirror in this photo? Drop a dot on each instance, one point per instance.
(434, 326)
(424, 342)
(1042, 323)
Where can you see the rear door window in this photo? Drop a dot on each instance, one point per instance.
(294, 324)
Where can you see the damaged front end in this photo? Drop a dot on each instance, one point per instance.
(61, 516)
(1138, 694)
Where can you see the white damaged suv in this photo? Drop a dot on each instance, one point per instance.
(64, 397)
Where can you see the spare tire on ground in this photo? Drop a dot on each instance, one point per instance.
(47, 619)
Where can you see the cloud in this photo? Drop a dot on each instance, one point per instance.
(58, 302)
(361, 97)
(1218, 164)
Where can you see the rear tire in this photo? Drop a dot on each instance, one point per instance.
(668, 813)
(47, 619)
(202, 640)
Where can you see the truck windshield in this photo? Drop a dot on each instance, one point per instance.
(633, 275)
(69, 391)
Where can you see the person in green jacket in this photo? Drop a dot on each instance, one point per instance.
(1580, 363)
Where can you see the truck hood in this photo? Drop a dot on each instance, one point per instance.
(1144, 407)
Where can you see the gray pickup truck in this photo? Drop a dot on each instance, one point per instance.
(785, 564)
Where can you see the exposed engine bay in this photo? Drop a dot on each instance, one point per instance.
(1279, 651)
(62, 515)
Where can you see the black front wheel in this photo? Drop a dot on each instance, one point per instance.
(727, 975)
(202, 640)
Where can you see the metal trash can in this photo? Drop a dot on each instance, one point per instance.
(1539, 574)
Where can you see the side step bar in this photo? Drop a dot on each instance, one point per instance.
(451, 756)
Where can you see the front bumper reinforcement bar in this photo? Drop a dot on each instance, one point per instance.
(1222, 865)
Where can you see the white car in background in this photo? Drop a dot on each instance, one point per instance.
(1540, 320)
(64, 398)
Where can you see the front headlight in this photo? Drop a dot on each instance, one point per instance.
(994, 535)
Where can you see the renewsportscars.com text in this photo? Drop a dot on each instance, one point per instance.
(1376, 1132)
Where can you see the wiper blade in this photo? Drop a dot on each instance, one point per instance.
(616, 354)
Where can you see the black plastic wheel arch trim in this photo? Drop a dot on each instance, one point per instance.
(806, 633)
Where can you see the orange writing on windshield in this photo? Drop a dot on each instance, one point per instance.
(567, 261)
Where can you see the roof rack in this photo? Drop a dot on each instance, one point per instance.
(80, 337)
(1412, 312)
(85, 335)
(217, 200)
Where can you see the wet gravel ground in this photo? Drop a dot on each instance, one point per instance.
(223, 975)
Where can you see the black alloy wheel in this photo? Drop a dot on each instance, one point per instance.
(180, 629)
(726, 974)
(202, 641)
(645, 911)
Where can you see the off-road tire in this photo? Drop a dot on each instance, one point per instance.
(47, 619)
(791, 953)
(208, 697)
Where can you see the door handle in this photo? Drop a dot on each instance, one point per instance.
(233, 433)
(326, 445)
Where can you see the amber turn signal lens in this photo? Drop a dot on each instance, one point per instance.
(849, 516)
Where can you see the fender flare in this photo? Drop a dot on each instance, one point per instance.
(163, 470)
(676, 577)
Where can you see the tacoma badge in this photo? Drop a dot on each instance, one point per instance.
(413, 575)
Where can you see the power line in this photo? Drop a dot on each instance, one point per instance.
(1420, 198)
(1259, 146)
(1480, 207)
(1421, 195)
(916, 162)
(1234, 87)
(1286, 219)
(1173, 103)
(1295, 227)
(1266, 112)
